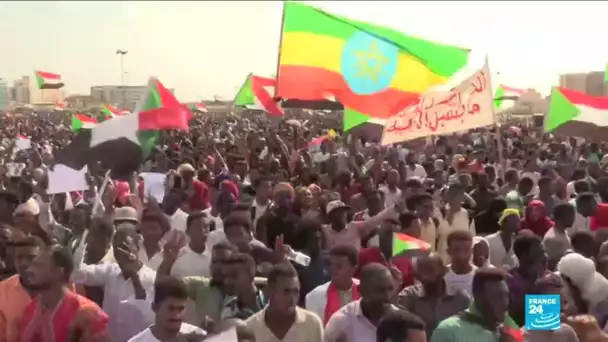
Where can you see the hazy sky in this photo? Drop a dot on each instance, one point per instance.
(207, 48)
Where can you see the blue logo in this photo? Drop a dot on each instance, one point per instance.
(368, 63)
(543, 312)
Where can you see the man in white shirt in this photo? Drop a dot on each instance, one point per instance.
(412, 169)
(460, 272)
(586, 207)
(128, 284)
(170, 206)
(391, 192)
(169, 305)
(194, 258)
(328, 298)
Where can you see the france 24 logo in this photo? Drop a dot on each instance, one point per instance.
(543, 312)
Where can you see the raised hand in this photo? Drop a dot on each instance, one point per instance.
(132, 265)
(281, 250)
(172, 248)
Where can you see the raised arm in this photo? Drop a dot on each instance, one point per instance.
(365, 227)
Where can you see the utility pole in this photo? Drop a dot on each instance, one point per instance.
(122, 54)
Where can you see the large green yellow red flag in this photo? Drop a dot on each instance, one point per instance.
(373, 71)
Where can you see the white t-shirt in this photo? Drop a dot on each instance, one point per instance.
(390, 198)
(418, 172)
(459, 282)
(147, 336)
(178, 220)
(189, 263)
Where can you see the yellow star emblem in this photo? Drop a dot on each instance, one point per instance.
(371, 62)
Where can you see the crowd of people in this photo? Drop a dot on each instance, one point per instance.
(261, 236)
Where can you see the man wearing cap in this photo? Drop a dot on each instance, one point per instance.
(198, 195)
(339, 232)
(128, 283)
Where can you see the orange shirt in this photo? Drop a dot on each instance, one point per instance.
(75, 317)
(14, 300)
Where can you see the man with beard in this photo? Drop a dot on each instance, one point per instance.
(16, 292)
(170, 297)
(484, 319)
(358, 320)
(58, 314)
(432, 300)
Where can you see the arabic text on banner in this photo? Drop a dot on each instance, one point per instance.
(466, 106)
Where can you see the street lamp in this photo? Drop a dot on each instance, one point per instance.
(122, 54)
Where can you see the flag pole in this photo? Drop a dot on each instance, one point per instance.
(100, 193)
(497, 127)
(276, 88)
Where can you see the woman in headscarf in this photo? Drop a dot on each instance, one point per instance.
(486, 222)
(481, 252)
(536, 218)
(580, 273)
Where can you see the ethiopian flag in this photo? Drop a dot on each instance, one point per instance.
(123, 142)
(370, 69)
(81, 121)
(255, 93)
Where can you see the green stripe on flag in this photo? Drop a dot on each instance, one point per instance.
(352, 119)
(245, 95)
(153, 100)
(76, 124)
(500, 92)
(561, 110)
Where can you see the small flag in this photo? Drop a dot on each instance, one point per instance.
(81, 121)
(504, 91)
(199, 107)
(59, 106)
(405, 244)
(48, 80)
(255, 93)
(109, 112)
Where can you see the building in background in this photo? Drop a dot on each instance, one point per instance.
(591, 83)
(21, 90)
(125, 97)
(84, 102)
(25, 91)
(4, 95)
